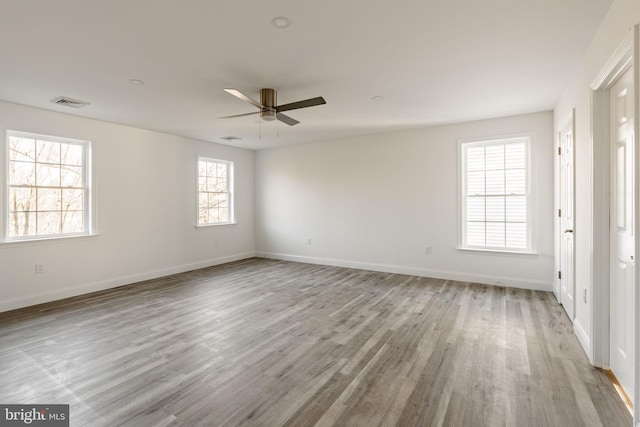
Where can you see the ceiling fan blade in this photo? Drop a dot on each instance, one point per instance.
(286, 119)
(301, 104)
(239, 115)
(244, 97)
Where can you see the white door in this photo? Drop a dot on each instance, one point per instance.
(622, 261)
(566, 274)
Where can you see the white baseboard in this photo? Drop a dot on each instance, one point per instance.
(40, 298)
(415, 271)
(583, 338)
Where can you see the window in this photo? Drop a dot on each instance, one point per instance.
(495, 195)
(47, 187)
(215, 187)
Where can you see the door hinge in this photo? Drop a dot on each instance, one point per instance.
(559, 151)
(559, 275)
(559, 213)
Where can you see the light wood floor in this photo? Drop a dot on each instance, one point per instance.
(270, 343)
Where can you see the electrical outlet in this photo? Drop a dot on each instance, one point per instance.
(309, 241)
(427, 250)
(584, 295)
(39, 268)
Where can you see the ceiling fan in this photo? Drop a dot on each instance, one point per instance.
(269, 110)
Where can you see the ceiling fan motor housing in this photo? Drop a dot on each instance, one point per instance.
(268, 98)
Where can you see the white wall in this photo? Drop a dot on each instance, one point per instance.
(145, 199)
(622, 15)
(377, 201)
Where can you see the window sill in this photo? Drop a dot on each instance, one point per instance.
(222, 224)
(497, 251)
(46, 240)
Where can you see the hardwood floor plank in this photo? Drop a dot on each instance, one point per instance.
(268, 343)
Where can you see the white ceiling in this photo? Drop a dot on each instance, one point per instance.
(433, 61)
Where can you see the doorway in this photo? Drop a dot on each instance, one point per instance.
(614, 302)
(566, 216)
(622, 232)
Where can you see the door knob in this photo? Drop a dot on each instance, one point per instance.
(568, 231)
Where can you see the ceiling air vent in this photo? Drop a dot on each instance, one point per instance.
(69, 102)
(231, 138)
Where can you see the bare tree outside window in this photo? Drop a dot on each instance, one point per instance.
(47, 187)
(214, 191)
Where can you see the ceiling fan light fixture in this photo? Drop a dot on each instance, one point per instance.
(268, 116)
(280, 22)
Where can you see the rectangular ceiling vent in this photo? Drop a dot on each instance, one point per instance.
(69, 102)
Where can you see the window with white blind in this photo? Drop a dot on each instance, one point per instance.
(215, 192)
(48, 187)
(495, 200)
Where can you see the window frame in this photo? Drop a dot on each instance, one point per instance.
(87, 181)
(230, 191)
(529, 193)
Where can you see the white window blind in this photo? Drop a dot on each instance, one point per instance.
(495, 200)
(215, 184)
(47, 187)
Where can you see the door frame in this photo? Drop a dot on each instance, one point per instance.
(626, 56)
